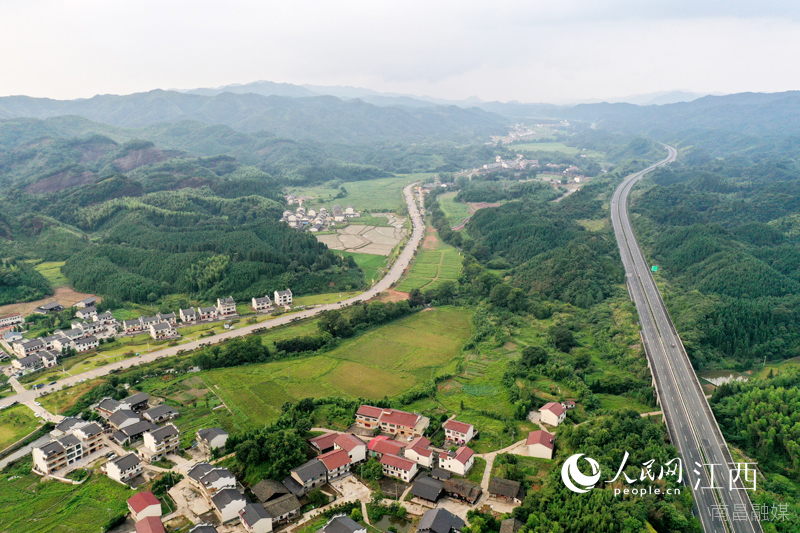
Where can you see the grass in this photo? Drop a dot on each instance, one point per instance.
(15, 423)
(28, 505)
(322, 299)
(547, 147)
(373, 265)
(478, 468)
(454, 211)
(433, 267)
(534, 469)
(51, 270)
(385, 194)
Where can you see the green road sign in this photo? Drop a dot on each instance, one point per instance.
(655, 268)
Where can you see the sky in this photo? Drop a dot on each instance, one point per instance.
(557, 51)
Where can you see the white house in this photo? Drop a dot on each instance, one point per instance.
(86, 313)
(124, 468)
(355, 447)
(399, 467)
(419, 451)
(85, 344)
(162, 330)
(552, 413)
(7, 321)
(226, 307)
(255, 519)
(540, 444)
(458, 432)
(143, 505)
(337, 463)
(207, 313)
(227, 504)
(262, 305)
(211, 438)
(189, 315)
(458, 462)
(343, 524)
(160, 442)
(283, 298)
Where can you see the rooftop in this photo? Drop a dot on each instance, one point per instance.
(541, 437)
(459, 427)
(142, 500)
(335, 459)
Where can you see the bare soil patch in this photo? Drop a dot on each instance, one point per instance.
(474, 206)
(139, 158)
(431, 239)
(63, 295)
(60, 181)
(393, 296)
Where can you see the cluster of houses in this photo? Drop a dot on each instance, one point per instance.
(313, 220)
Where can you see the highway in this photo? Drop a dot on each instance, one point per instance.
(402, 262)
(690, 422)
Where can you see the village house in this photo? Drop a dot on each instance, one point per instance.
(227, 504)
(160, 413)
(162, 330)
(26, 348)
(37, 361)
(267, 490)
(255, 519)
(323, 443)
(211, 439)
(226, 307)
(123, 469)
(262, 305)
(510, 525)
(419, 451)
(88, 328)
(458, 432)
(132, 433)
(306, 477)
(440, 520)
(91, 437)
(86, 344)
(122, 418)
(398, 467)
(463, 490)
(67, 425)
(7, 321)
(132, 326)
(86, 302)
(427, 491)
(506, 490)
(355, 447)
(107, 407)
(458, 462)
(160, 442)
(143, 505)
(552, 413)
(203, 528)
(151, 524)
(283, 508)
(136, 402)
(86, 313)
(283, 298)
(391, 421)
(342, 524)
(337, 463)
(207, 313)
(540, 444)
(189, 315)
(382, 445)
(57, 454)
(210, 479)
(106, 319)
(12, 337)
(52, 307)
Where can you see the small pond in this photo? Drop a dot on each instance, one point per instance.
(402, 526)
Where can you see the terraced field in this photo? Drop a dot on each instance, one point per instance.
(433, 266)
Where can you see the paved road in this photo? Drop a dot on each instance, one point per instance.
(689, 419)
(393, 276)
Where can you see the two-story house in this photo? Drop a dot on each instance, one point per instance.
(160, 442)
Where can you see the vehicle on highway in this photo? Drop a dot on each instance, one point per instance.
(37, 386)
(51, 383)
(673, 344)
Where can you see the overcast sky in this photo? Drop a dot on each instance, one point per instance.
(529, 50)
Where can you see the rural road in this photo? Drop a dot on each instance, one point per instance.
(27, 397)
(691, 424)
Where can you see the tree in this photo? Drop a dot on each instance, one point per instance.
(563, 339)
(372, 470)
(533, 356)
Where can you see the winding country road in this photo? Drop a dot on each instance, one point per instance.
(402, 262)
(689, 419)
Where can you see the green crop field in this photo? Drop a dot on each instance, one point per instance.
(15, 423)
(385, 194)
(454, 211)
(52, 272)
(382, 362)
(29, 505)
(545, 147)
(433, 267)
(371, 264)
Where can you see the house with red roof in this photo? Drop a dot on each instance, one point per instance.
(552, 413)
(459, 462)
(337, 463)
(324, 443)
(381, 445)
(398, 467)
(458, 432)
(392, 421)
(151, 524)
(419, 451)
(540, 444)
(144, 504)
(355, 447)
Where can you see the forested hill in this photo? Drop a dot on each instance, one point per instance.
(323, 118)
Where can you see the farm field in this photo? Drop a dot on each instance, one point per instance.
(436, 263)
(371, 264)
(330, 297)
(29, 505)
(52, 272)
(386, 361)
(454, 211)
(548, 147)
(385, 194)
(15, 423)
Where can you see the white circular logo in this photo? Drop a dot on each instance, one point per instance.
(571, 474)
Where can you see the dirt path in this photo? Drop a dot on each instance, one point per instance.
(63, 295)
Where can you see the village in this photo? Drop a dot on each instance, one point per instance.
(316, 221)
(90, 328)
(134, 441)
